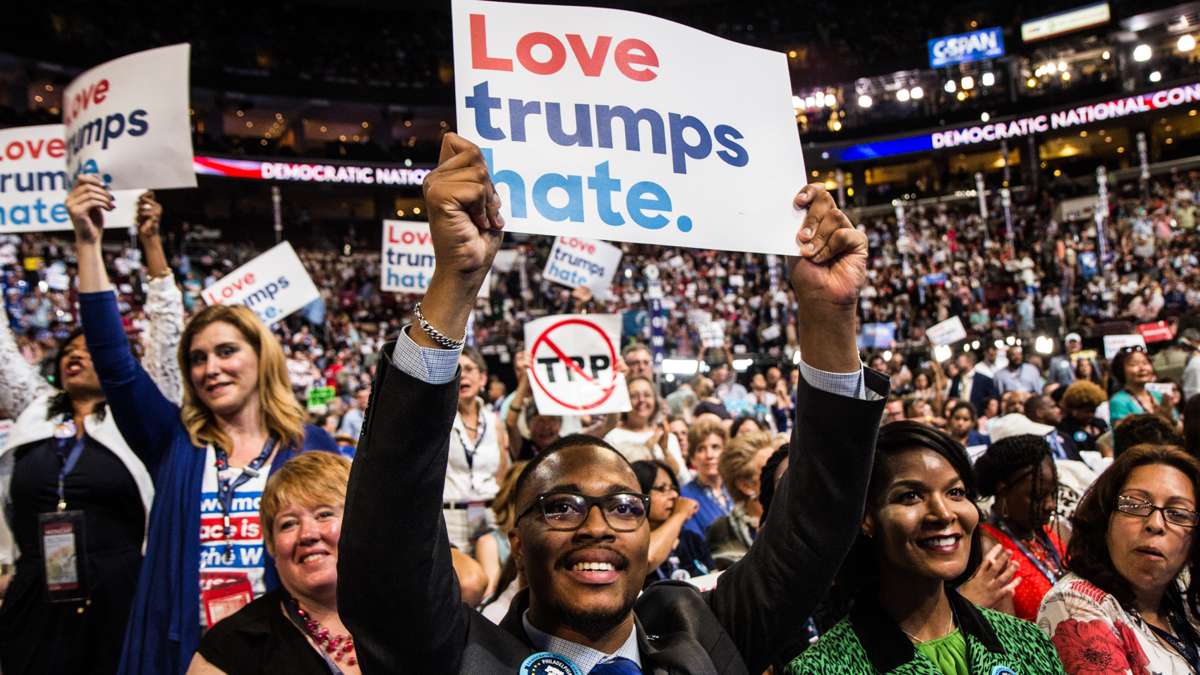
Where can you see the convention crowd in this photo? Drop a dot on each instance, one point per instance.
(1033, 490)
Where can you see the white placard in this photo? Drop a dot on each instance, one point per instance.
(1114, 344)
(408, 260)
(572, 364)
(129, 121)
(946, 332)
(274, 285)
(576, 262)
(608, 124)
(34, 183)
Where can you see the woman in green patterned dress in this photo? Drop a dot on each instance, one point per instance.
(919, 541)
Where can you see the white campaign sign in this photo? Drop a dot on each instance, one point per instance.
(34, 183)
(576, 262)
(573, 364)
(1114, 344)
(607, 124)
(947, 332)
(408, 262)
(128, 120)
(274, 285)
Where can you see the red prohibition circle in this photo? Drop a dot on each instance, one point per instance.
(544, 337)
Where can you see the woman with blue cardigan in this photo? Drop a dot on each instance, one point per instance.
(210, 457)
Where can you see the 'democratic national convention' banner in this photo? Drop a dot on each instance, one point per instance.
(128, 121)
(607, 124)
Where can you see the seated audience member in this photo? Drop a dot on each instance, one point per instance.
(1191, 426)
(581, 536)
(730, 537)
(1079, 421)
(1131, 370)
(643, 432)
(1020, 474)
(1134, 430)
(492, 548)
(917, 543)
(963, 426)
(710, 403)
(1123, 606)
(744, 425)
(675, 552)
(706, 442)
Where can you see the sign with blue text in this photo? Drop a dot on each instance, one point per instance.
(607, 124)
(978, 45)
(274, 285)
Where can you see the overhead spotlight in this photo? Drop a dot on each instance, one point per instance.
(1031, 82)
(988, 79)
(1156, 76)
(864, 101)
(1106, 55)
(984, 117)
(968, 83)
(1044, 344)
(1066, 76)
(902, 95)
(941, 353)
(1062, 66)
(950, 87)
(830, 100)
(961, 96)
(1142, 53)
(1186, 43)
(916, 92)
(797, 102)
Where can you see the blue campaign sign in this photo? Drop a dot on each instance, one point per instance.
(978, 45)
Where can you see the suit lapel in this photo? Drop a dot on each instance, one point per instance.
(673, 654)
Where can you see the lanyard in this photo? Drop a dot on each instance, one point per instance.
(1184, 640)
(470, 454)
(226, 487)
(67, 462)
(1047, 545)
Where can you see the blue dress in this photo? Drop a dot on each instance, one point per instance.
(710, 508)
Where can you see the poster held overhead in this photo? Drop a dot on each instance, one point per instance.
(129, 121)
(575, 263)
(274, 285)
(573, 364)
(603, 124)
(947, 332)
(407, 262)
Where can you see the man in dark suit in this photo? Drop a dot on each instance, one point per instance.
(585, 566)
(972, 385)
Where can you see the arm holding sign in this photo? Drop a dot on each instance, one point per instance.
(839, 404)
(397, 592)
(146, 419)
(164, 304)
(20, 382)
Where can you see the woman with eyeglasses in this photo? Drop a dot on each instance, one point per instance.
(1020, 474)
(1131, 371)
(675, 552)
(1124, 607)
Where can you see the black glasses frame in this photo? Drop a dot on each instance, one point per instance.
(589, 502)
(1141, 504)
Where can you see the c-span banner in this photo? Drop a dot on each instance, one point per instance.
(34, 183)
(274, 285)
(607, 124)
(128, 121)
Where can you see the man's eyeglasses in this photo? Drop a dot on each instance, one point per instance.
(1143, 509)
(567, 511)
(1133, 348)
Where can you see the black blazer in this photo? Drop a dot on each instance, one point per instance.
(398, 594)
(982, 388)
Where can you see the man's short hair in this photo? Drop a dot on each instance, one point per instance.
(568, 441)
(1146, 428)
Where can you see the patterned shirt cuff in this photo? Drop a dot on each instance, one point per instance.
(429, 365)
(850, 385)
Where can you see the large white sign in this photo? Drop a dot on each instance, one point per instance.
(128, 120)
(576, 262)
(34, 183)
(408, 261)
(573, 364)
(606, 124)
(947, 332)
(1115, 343)
(274, 285)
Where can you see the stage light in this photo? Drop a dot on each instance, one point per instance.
(1142, 53)
(950, 86)
(864, 101)
(797, 102)
(1062, 66)
(686, 367)
(988, 79)
(968, 83)
(1043, 344)
(830, 100)
(961, 96)
(1186, 43)
(984, 117)
(1106, 55)
(916, 93)
(902, 95)
(1156, 76)
(887, 355)
(1031, 83)
(742, 365)
(941, 353)
(1066, 76)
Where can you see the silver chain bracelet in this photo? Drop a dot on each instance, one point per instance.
(435, 334)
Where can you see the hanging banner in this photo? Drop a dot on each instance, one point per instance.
(129, 121)
(639, 133)
(274, 285)
(573, 364)
(408, 260)
(576, 262)
(34, 183)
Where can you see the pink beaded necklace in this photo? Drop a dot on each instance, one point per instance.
(340, 648)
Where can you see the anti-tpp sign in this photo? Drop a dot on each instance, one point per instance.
(573, 364)
(128, 121)
(606, 124)
(978, 45)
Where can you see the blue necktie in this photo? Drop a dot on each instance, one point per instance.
(617, 666)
